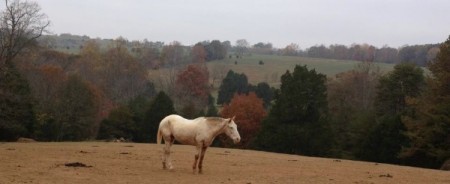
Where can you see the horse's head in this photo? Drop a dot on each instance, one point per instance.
(231, 130)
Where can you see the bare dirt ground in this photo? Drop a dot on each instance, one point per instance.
(100, 162)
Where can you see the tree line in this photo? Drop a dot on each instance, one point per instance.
(215, 49)
(401, 117)
(418, 54)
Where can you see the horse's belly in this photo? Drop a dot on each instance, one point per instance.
(184, 137)
(185, 140)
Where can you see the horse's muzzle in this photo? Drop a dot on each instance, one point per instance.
(236, 140)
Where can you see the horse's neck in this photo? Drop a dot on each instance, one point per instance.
(218, 128)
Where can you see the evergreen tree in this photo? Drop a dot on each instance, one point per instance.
(264, 92)
(297, 122)
(212, 110)
(190, 111)
(384, 141)
(16, 105)
(138, 107)
(302, 97)
(119, 124)
(405, 81)
(160, 107)
(231, 84)
(77, 110)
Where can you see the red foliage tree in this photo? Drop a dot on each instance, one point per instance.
(193, 81)
(198, 53)
(192, 87)
(249, 112)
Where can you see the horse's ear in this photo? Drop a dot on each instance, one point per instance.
(231, 119)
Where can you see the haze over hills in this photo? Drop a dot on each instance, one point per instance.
(304, 22)
(418, 54)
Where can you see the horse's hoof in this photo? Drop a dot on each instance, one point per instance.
(194, 171)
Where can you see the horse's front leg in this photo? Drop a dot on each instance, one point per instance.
(194, 166)
(202, 155)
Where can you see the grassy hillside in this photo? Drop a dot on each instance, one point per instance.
(274, 66)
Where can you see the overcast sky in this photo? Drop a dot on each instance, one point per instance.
(280, 22)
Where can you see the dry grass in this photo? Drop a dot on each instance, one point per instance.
(140, 163)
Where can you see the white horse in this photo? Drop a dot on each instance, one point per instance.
(199, 132)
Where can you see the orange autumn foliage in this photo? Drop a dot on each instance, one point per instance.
(249, 112)
(193, 81)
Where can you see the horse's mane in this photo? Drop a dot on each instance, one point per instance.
(213, 120)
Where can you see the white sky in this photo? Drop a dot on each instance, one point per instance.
(280, 22)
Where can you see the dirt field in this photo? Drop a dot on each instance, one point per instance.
(141, 163)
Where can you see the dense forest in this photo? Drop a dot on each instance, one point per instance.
(73, 88)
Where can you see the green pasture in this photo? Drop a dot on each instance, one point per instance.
(274, 66)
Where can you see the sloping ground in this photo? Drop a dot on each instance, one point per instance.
(100, 162)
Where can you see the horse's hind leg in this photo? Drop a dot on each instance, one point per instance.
(164, 155)
(167, 163)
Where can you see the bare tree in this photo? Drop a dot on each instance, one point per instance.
(173, 54)
(166, 80)
(219, 71)
(241, 46)
(21, 23)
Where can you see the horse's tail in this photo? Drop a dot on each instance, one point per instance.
(159, 136)
(159, 133)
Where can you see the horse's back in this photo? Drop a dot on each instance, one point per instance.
(182, 129)
(168, 120)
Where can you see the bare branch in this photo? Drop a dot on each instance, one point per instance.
(21, 23)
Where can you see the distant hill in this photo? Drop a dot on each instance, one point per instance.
(257, 67)
(418, 54)
(269, 68)
(69, 43)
